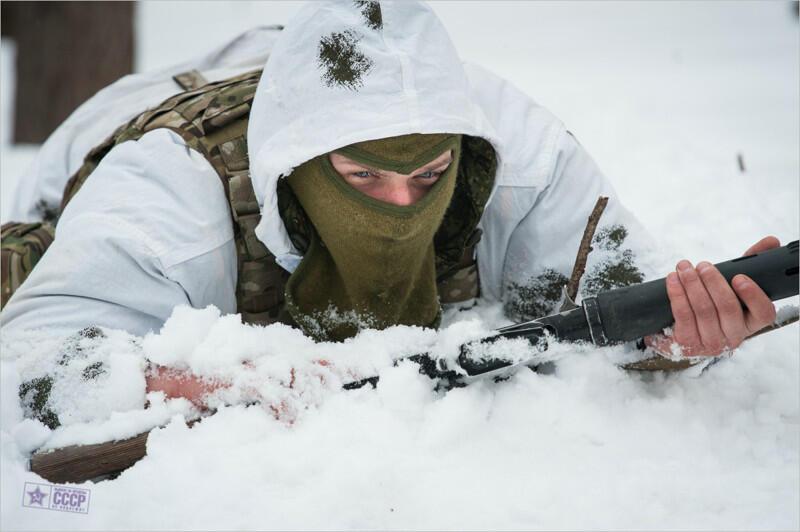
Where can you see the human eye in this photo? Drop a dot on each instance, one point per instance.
(363, 174)
(430, 174)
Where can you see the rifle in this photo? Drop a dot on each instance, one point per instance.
(611, 317)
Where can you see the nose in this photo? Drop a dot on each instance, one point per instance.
(399, 193)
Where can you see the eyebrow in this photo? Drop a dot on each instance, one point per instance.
(433, 164)
(424, 168)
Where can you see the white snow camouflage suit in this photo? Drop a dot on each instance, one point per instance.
(126, 254)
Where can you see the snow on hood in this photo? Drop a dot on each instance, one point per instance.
(403, 76)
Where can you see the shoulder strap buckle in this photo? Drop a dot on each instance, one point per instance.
(190, 80)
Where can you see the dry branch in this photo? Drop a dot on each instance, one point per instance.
(777, 325)
(662, 363)
(585, 247)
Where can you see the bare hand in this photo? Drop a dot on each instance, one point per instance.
(182, 383)
(177, 383)
(709, 317)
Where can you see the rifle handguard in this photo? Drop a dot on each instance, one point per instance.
(632, 312)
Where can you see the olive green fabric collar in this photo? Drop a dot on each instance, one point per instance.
(370, 263)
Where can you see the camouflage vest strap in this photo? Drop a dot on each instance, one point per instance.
(462, 283)
(190, 80)
(139, 125)
(213, 120)
(23, 247)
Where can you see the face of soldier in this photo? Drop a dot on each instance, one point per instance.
(391, 187)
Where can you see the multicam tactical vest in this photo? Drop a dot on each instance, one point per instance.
(212, 118)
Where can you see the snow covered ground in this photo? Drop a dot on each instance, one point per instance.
(664, 95)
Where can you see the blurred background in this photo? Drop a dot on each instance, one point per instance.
(680, 103)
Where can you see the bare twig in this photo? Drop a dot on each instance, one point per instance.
(585, 247)
(661, 363)
(775, 326)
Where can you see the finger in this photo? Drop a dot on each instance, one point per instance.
(760, 309)
(765, 244)
(729, 309)
(705, 313)
(660, 343)
(685, 328)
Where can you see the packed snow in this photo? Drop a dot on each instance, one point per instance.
(664, 95)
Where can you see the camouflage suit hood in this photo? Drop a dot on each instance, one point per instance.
(346, 72)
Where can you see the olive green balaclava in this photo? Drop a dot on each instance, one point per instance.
(370, 264)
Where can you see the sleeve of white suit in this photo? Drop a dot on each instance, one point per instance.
(546, 187)
(150, 229)
(543, 246)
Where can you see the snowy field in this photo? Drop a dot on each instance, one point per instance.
(665, 96)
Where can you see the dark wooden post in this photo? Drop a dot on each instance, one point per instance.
(66, 52)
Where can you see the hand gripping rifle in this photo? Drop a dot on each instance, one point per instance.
(614, 316)
(630, 313)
